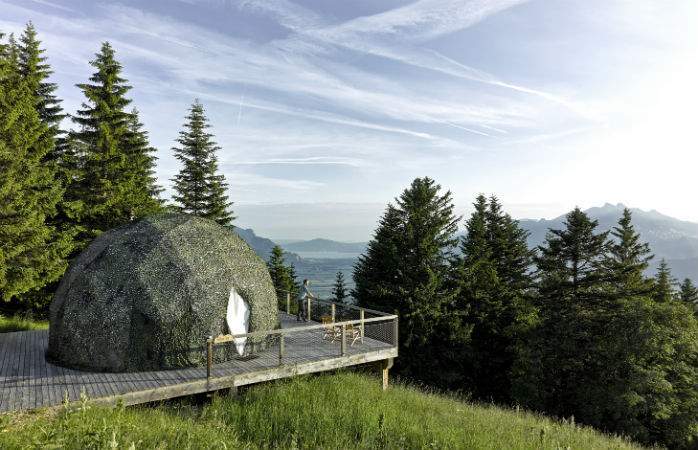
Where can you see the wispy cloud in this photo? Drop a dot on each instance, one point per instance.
(309, 161)
(311, 99)
(55, 6)
(420, 21)
(392, 34)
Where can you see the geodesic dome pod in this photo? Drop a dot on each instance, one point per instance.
(146, 296)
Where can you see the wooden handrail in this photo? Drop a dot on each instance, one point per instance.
(345, 305)
(283, 331)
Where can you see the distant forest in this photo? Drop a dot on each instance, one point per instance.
(573, 328)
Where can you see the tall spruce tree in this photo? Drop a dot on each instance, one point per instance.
(200, 189)
(628, 258)
(295, 282)
(664, 284)
(688, 293)
(508, 247)
(115, 179)
(142, 159)
(36, 71)
(570, 263)
(406, 268)
(375, 277)
(339, 290)
(280, 274)
(493, 275)
(570, 275)
(32, 252)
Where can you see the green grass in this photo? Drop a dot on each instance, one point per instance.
(17, 323)
(343, 410)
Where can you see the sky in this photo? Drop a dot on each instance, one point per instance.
(326, 110)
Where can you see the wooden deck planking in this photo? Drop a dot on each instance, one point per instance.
(5, 345)
(28, 381)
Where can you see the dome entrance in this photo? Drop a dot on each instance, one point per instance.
(237, 317)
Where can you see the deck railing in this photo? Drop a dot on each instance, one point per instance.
(332, 330)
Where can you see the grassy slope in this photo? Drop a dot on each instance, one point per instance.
(343, 410)
(16, 323)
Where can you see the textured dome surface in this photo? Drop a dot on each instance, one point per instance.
(146, 295)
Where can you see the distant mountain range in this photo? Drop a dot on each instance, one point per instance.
(262, 246)
(669, 238)
(672, 239)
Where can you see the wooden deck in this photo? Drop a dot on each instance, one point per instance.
(28, 382)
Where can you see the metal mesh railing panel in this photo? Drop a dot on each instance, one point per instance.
(305, 343)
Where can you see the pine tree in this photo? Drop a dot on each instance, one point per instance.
(35, 70)
(295, 285)
(628, 259)
(406, 269)
(142, 158)
(688, 293)
(339, 290)
(32, 252)
(571, 297)
(375, 277)
(474, 245)
(114, 180)
(508, 247)
(664, 283)
(200, 189)
(492, 276)
(280, 275)
(570, 264)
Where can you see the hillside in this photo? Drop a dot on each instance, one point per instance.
(343, 410)
(670, 238)
(262, 246)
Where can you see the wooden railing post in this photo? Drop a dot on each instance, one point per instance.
(396, 340)
(209, 356)
(334, 312)
(307, 312)
(288, 303)
(344, 340)
(361, 327)
(281, 348)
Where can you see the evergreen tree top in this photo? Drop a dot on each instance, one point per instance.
(200, 189)
(35, 70)
(106, 93)
(688, 292)
(474, 244)
(628, 258)
(428, 215)
(339, 290)
(664, 283)
(571, 259)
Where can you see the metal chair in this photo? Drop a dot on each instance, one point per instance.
(331, 331)
(354, 334)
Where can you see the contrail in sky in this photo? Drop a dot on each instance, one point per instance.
(242, 100)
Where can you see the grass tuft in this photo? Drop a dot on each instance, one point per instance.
(18, 323)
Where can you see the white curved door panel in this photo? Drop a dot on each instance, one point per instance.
(238, 318)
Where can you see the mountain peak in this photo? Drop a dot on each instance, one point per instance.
(607, 208)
